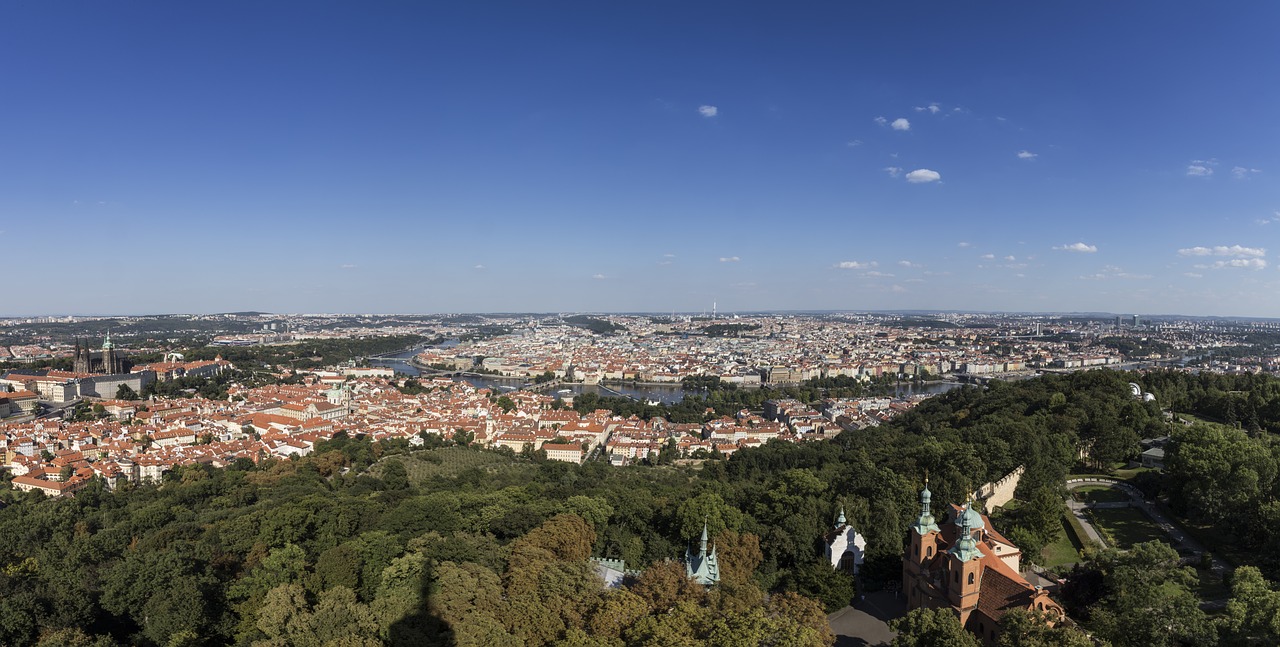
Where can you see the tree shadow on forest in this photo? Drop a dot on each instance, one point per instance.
(422, 627)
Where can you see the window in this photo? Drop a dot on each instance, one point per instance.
(929, 552)
(971, 580)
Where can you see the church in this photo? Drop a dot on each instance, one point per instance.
(108, 362)
(967, 566)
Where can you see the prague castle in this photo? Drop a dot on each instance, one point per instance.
(105, 363)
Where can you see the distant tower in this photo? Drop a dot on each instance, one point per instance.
(110, 364)
(713, 309)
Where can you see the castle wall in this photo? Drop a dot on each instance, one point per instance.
(1001, 492)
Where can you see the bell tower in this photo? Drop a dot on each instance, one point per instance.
(923, 539)
(964, 568)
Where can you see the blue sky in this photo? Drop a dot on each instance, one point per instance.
(640, 156)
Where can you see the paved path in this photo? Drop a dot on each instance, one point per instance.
(1136, 500)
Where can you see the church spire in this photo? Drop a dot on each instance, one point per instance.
(925, 523)
(841, 521)
(965, 547)
(703, 542)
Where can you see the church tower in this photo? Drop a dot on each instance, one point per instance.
(110, 364)
(923, 539)
(964, 567)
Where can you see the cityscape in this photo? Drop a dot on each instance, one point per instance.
(503, 324)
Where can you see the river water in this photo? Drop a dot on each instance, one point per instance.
(668, 394)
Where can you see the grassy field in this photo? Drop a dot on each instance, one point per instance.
(1127, 526)
(1099, 494)
(1064, 549)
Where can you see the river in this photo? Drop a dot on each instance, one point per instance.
(668, 394)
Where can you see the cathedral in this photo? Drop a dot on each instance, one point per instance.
(105, 363)
(967, 566)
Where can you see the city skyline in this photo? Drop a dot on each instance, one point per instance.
(640, 158)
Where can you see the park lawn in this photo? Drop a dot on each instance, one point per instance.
(1127, 526)
(1100, 494)
(1063, 550)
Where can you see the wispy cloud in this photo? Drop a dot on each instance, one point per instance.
(347, 266)
(964, 244)
(853, 143)
(1201, 168)
(729, 259)
(1193, 275)
(932, 108)
(1236, 263)
(1078, 248)
(856, 265)
(881, 120)
(988, 257)
(480, 267)
(1224, 250)
(1112, 272)
(877, 275)
(599, 277)
(1027, 155)
(1275, 217)
(910, 265)
(900, 123)
(708, 111)
(1242, 173)
(893, 171)
(922, 176)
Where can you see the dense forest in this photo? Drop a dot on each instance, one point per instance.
(363, 543)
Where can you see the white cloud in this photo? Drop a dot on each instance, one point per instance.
(708, 111)
(853, 143)
(1275, 217)
(932, 108)
(988, 257)
(900, 124)
(1223, 250)
(909, 264)
(881, 120)
(963, 244)
(1079, 248)
(1010, 259)
(1201, 168)
(1193, 275)
(481, 267)
(668, 255)
(856, 265)
(893, 171)
(1113, 272)
(898, 288)
(877, 275)
(1027, 155)
(729, 259)
(1243, 173)
(599, 277)
(347, 266)
(1001, 119)
(1245, 263)
(923, 175)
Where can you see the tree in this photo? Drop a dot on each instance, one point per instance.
(125, 392)
(1022, 628)
(931, 628)
(1147, 599)
(1253, 613)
